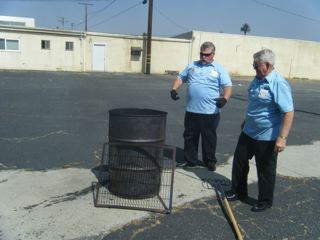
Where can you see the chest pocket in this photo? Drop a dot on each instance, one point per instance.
(212, 77)
(261, 94)
(213, 74)
(203, 75)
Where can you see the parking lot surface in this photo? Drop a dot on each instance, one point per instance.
(53, 127)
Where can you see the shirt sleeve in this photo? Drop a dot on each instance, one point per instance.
(184, 74)
(225, 79)
(284, 96)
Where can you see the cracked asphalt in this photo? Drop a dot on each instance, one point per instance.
(52, 121)
(295, 215)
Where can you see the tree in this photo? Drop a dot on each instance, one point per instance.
(245, 28)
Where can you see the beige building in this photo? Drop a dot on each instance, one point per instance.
(294, 58)
(17, 21)
(26, 48)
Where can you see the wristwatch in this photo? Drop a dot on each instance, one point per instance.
(283, 137)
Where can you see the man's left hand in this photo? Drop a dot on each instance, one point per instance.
(280, 145)
(174, 95)
(220, 102)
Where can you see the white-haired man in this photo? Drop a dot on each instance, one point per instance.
(264, 131)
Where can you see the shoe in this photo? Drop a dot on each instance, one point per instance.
(260, 207)
(186, 164)
(181, 164)
(233, 196)
(211, 166)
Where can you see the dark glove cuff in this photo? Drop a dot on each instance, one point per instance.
(220, 102)
(174, 95)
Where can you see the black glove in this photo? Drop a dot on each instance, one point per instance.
(174, 95)
(220, 102)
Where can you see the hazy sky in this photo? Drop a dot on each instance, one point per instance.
(296, 19)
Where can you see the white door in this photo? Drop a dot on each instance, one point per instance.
(99, 57)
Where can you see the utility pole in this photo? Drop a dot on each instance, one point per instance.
(86, 15)
(63, 21)
(148, 65)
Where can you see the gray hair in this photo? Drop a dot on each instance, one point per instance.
(265, 55)
(206, 45)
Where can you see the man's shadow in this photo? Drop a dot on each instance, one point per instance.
(209, 179)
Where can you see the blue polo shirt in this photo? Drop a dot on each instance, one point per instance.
(204, 84)
(269, 99)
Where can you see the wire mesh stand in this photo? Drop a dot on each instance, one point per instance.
(136, 176)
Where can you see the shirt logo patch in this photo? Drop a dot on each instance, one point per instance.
(214, 73)
(263, 93)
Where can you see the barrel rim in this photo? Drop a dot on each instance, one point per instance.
(136, 112)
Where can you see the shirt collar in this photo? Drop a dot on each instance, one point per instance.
(199, 63)
(269, 78)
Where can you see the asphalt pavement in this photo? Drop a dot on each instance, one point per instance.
(54, 124)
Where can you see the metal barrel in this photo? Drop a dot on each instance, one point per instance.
(134, 125)
(134, 153)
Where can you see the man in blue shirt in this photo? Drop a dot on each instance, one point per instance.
(209, 87)
(264, 132)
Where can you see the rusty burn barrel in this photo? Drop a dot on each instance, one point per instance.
(134, 159)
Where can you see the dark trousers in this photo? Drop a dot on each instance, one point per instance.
(196, 124)
(266, 163)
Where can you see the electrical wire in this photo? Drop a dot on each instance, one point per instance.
(102, 9)
(94, 13)
(170, 20)
(286, 11)
(116, 15)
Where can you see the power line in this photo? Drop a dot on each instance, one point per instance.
(95, 13)
(171, 21)
(102, 9)
(116, 15)
(286, 11)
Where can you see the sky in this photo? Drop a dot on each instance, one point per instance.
(293, 19)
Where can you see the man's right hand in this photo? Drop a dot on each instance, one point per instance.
(174, 95)
(220, 102)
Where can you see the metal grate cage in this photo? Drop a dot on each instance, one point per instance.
(136, 176)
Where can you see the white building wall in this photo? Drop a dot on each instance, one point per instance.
(294, 58)
(118, 52)
(166, 54)
(56, 58)
(169, 55)
(17, 21)
(31, 57)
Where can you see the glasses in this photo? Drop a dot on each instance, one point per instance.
(256, 65)
(205, 54)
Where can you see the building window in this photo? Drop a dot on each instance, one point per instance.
(12, 44)
(9, 44)
(45, 44)
(135, 53)
(2, 44)
(10, 23)
(69, 46)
